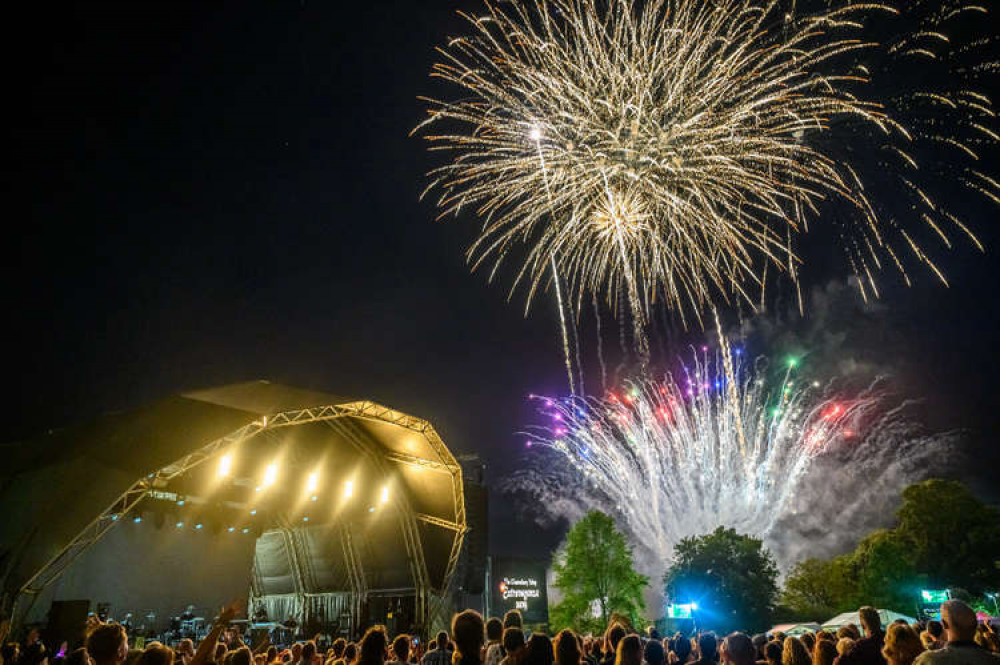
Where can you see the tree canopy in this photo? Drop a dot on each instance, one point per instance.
(594, 570)
(731, 577)
(945, 537)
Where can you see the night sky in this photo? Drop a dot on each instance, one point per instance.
(207, 193)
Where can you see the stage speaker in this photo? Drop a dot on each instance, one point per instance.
(67, 623)
(477, 538)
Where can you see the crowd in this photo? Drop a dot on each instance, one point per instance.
(958, 638)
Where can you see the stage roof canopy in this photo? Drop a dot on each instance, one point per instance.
(343, 494)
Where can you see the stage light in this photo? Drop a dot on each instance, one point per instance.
(180, 502)
(694, 606)
(384, 498)
(225, 465)
(270, 475)
(114, 518)
(535, 133)
(253, 512)
(313, 483)
(314, 498)
(231, 529)
(246, 530)
(198, 526)
(348, 489)
(179, 525)
(137, 519)
(305, 519)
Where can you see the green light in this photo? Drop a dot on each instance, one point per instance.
(792, 362)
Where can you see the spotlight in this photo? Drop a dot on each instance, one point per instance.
(114, 518)
(270, 475)
(253, 512)
(384, 498)
(180, 502)
(348, 489)
(231, 529)
(136, 519)
(199, 525)
(179, 525)
(305, 519)
(313, 483)
(225, 465)
(535, 133)
(694, 606)
(245, 530)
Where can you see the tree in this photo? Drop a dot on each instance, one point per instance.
(819, 588)
(731, 577)
(953, 536)
(883, 569)
(594, 570)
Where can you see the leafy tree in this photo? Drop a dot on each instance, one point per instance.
(953, 536)
(884, 572)
(731, 577)
(594, 569)
(819, 588)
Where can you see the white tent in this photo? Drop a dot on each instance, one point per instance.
(887, 616)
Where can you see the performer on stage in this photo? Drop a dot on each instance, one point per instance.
(260, 614)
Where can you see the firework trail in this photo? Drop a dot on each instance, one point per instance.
(674, 150)
(720, 445)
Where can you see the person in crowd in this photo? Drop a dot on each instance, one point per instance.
(759, 642)
(773, 651)
(400, 651)
(351, 653)
(567, 648)
(373, 646)
(438, 654)
(778, 637)
(826, 635)
(307, 655)
(808, 641)
(793, 652)
(849, 630)
(986, 638)
(34, 651)
(680, 650)
(513, 646)
(612, 637)
(844, 644)
(708, 649)
(468, 631)
(241, 656)
(107, 644)
(494, 651)
(338, 647)
(590, 654)
(10, 653)
(824, 653)
(936, 630)
(959, 621)
(902, 644)
(538, 651)
(156, 654)
(513, 619)
(868, 649)
(738, 649)
(185, 649)
(653, 654)
(76, 657)
(629, 651)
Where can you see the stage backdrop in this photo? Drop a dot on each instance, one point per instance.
(140, 569)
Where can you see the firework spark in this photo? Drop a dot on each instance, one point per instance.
(717, 445)
(674, 149)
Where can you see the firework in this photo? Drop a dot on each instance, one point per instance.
(717, 445)
(675, 149)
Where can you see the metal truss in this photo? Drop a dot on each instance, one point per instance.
(336, 416)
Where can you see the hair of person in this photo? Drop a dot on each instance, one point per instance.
(708, 645)
(494, 629)
(513, 639)
(809, 640)
(105, 642)
(308, 650)
(156, 654)
(338, 647)
(373, 646)
(653, 653)
(271, 654)
(778, 636)
(935, 628)
(870, 620)
(566, 648)
(613, 636)
(793, 652)
(902, 644)
(959, 620)
(539, 651)
(76, 657)
(513, 619)
(844, 644)
(824, 653)
(629, 651)
(825, 635)
(468, 631)
(442, 639)
(681, 646)
(401, 647)
(243, 656)
(759, 640)
(773, 651)
(350, 652)
(740, 648)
